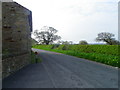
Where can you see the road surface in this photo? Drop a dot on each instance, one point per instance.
(63, 71)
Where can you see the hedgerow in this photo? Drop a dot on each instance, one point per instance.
(107, 54)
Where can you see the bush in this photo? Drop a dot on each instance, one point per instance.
(55, 46)
(65, 47)
(100, 49)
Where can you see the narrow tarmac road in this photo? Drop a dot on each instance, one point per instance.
(63, 71)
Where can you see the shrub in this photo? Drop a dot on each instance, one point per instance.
(54, 46)
(65, 47)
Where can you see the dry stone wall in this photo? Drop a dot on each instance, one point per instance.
(16, 37)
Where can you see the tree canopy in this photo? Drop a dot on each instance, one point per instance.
(47, 35)
(107, 37)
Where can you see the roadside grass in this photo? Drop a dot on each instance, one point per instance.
(33, 58)
(105, 58)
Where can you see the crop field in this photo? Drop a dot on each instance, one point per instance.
(106, 54)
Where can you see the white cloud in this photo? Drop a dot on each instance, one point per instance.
(75, 19)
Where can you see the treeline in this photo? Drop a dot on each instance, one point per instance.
(47, 36)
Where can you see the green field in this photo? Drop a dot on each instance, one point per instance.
(106, 54)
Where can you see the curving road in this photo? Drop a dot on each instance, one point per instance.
(63, 71)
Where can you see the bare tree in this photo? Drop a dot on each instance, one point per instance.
(107, 37)
(47, 35)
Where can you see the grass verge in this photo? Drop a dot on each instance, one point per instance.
(107, 59)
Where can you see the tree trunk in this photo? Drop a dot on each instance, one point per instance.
(47, 43)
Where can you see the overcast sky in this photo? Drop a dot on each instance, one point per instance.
(75, 20)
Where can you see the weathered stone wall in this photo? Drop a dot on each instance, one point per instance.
(0, 45)
(16, 37)
(15, 63)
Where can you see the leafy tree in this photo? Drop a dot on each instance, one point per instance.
(59, 42)
(107, 37)
(70, 42)
(47, 35)
(83, 42)
(66, 42)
